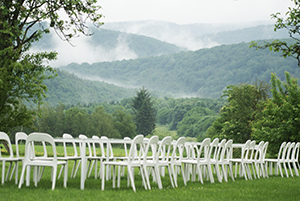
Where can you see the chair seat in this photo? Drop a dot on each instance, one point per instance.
(122, 163)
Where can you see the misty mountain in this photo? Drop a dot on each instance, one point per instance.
(197, 36)
(103, 45)
(202, 73)
(260, 32)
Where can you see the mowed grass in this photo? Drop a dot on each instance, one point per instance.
(272, 188)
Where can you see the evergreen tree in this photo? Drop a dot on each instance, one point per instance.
(144, 112)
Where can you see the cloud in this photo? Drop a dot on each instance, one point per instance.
(82, 51)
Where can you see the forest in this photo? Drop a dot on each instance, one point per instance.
(190, 117)
(201, 73)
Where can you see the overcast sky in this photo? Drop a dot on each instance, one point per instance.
(192, 11)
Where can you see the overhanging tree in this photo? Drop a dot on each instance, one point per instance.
(144, 112)
(22, 73)
(291, 23)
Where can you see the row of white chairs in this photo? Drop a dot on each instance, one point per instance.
(287, 157)
(252, 157)
(188, 158)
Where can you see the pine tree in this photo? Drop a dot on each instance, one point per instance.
(144, 112)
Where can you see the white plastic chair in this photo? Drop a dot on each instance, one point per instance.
(31, 160)
(244, 169)
(254, 153)
(149, 164)
(277, 161)
(283, 159)
(175, 160)
(20, 136)
(226, 155)
(134, 161)
(10, 159)
(259, 159)
(90, 156)
(200, 162)
(288, 158)
(67, 157)
(294, 158)
(217, 159)
(97, 157)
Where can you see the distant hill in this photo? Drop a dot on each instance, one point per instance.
(103, 45)
(197, 36)
(202, 73)
(69, 89)
(260, 32)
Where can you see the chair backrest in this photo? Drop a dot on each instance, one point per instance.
(68, 136)
(281, 150)
(265, 147)
(82, 136)
(102, 153)
(221, 148)
(203, 152)
(125, 145)
(289, 151)
(5, 137)
(245, 150)
(163, 152)
(136, 146)
(252, 150)
(228, 150)
(191, 150)
(39, 137)
(108, 146)
(284, 150)
(178, 148)
(151, 144)
(259, 151)
(19, 137)
(213, 148)
(295, 153)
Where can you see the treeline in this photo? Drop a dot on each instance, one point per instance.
(190, 117)
(205, 72)
(69, 89)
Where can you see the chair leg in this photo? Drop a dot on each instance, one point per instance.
(295, 168)
(3, 171)
(8, 171)
(102, 176)
(22, 176)
(131, 176)
(147, 177)
(66, 174)
(54, 168)
(170, 175)
(158, 177)
(114, 176)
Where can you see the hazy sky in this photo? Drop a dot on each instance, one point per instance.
(192, 11)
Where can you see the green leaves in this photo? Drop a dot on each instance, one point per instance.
(236, 117)
(279, 120)
(291, 23)
(22, 74)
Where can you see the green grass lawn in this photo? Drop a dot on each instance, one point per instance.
(272, 188)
